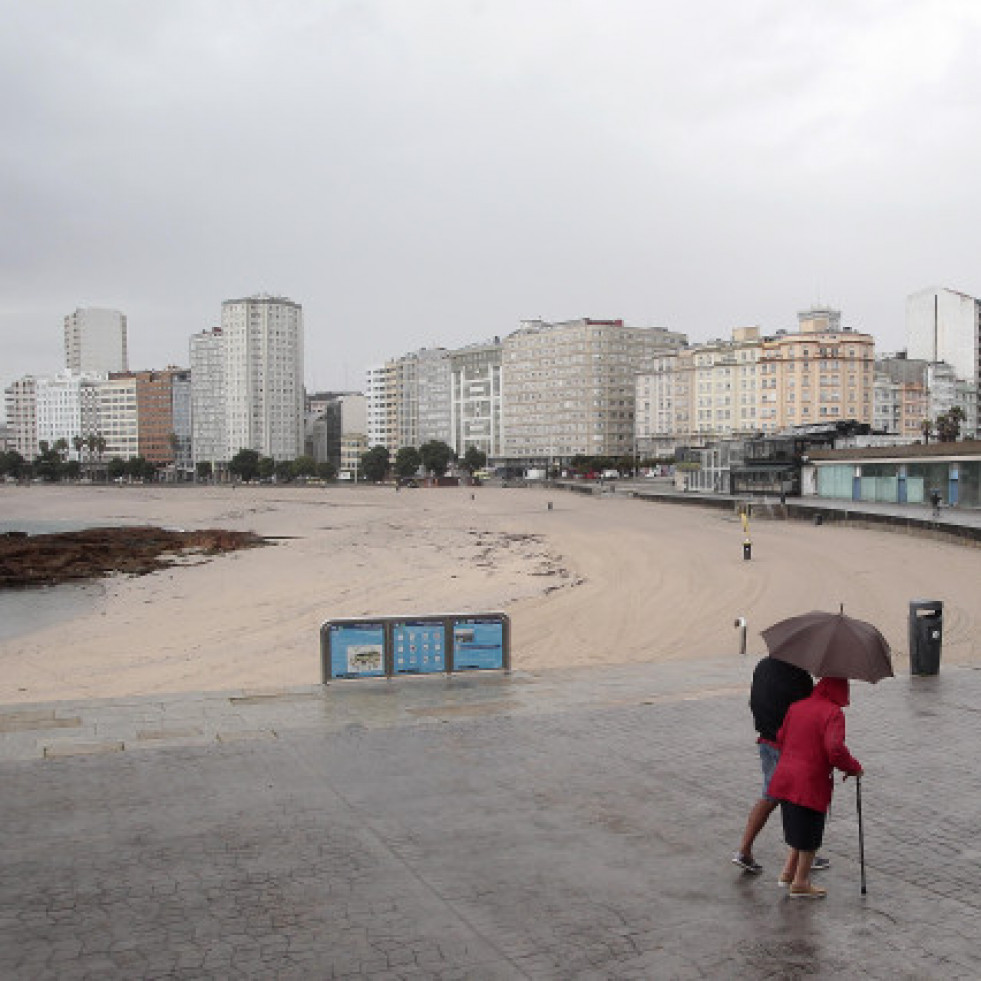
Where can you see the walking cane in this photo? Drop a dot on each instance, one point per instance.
(861, 831)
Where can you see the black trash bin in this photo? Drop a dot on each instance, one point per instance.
(926, 629)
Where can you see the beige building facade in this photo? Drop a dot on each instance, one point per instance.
(116, 408)
(705, 392)
(822, 373)
(569, 389)
(758, 384)
(20, 399)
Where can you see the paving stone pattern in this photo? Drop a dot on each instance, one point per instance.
(546, 826)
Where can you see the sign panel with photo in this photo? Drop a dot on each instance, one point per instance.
(478, 642)
(357, 650)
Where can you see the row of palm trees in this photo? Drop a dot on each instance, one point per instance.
(87, 446)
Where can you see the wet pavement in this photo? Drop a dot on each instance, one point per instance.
(557, 825)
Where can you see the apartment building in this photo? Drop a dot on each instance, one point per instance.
(96, 341)
(696, 394)
(354, 426)
(475, 399)
(723, 393)
(66, 408)
(569, 388)
(886, 401)
(422, 397)
(181, 414)
(662, 398)
(821, 373)
(208, 441)
(157, 440)
(946, 390)
(118, 417)
(380, 407)
(336, 429)
(263, 375)
(945, 325)
(20, 403)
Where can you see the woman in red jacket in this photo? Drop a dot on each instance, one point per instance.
(812, 746)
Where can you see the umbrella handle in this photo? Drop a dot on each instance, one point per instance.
(861, 831)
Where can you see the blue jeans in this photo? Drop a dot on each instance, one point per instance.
(768, 760)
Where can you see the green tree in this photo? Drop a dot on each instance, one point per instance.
(267, 467)
(283, 469)
(407, 462)
(140, 468)
(61, 448)
(116, 468)
(73, 469)
(949, 424)
(203, 469)
(12, 464)
(436, 456)
(245, 465)
(304, 466)
(326, 470)
(474, 459)
(47, 464)
(374, 463)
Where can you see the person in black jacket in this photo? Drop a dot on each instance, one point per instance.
(776, 686)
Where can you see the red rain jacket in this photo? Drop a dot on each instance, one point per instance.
(812, 745)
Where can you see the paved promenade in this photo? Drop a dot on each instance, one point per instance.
(561, 825)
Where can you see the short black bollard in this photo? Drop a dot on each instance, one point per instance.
(550, 505)
(747, 550)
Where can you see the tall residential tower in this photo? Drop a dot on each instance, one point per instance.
(263, 350)
(95, 340)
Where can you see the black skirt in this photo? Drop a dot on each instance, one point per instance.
(803, 828)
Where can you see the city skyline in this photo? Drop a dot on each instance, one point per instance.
(357, 383)
(431, 174)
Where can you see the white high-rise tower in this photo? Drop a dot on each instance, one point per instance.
(95, 340)
(263, 350)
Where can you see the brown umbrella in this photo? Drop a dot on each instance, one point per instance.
(831, 645)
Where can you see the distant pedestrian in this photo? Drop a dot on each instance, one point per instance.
(776, 686)
(812, 746)
(935, 502)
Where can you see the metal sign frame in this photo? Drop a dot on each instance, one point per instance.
(390, 646)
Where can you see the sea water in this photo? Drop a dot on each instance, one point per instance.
(25, 609)
(29, 608)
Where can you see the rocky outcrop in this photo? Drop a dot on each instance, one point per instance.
(42, 560)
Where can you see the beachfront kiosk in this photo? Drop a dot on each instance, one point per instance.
(385, 647)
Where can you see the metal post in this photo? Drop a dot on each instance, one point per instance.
(861, 831)
(741, 625)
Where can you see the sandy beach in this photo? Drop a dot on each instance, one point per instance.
(591, 581)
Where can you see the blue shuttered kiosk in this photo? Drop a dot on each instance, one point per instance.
(384, 647)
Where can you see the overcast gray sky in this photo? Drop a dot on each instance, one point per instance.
(429, 172)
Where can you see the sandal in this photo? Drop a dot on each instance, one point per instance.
(807, 892)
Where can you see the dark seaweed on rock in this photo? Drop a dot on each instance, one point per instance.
(44, 560)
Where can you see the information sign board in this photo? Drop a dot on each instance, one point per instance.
(356, 649)
(419, 646)
(478, 642)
